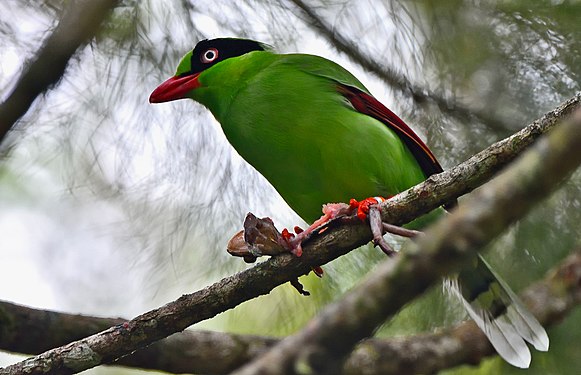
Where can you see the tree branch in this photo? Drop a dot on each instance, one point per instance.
(446, 247)
(550, 300)
(32, 331)
(419, 94)
(262, 278)
(78, 24)
(27, 330)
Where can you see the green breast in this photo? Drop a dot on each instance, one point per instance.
(289, 122)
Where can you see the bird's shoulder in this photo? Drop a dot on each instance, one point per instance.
(317, 66)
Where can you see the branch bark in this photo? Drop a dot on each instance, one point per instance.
(79, 23)
(27, 330)
(32, 331)
(452, 243)
(550, 300)
(124, 338)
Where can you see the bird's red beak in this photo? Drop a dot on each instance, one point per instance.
(174, 88)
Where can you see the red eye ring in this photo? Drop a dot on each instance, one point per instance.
(210, 55)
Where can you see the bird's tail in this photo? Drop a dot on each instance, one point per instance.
(499, 313)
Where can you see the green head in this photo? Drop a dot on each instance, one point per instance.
(191, 69)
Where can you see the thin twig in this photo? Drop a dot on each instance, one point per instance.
(79, 23)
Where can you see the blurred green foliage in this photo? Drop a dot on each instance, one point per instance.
(175, 192)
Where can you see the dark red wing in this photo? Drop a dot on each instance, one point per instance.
(370, 106)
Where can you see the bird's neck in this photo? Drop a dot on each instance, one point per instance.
(221, 84)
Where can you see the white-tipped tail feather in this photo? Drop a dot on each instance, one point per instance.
(508, 329)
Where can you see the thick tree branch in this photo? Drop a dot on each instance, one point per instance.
(550, 300)
(27, 330)
(446, 247)
(397, 81)
(32, 331)
(78, 24)
(262, 278)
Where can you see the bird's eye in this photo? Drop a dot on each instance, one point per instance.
(209, 56)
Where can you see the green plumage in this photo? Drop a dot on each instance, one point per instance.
(284, 116)
(318, 136)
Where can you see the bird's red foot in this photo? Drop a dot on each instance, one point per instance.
(330, 212)
(293, 242)
(363, 206)
(369, 209)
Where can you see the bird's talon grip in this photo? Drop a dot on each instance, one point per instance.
(363, 206)
(287, 235)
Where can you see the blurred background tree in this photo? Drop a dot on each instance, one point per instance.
(110, 206)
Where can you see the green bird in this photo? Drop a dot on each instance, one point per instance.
(318, 135)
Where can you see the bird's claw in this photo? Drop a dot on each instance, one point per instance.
(293, 242)
(400, 231)
(364, 205)
(369, 209)
(330, 211)
(318, 271)
(376, 226)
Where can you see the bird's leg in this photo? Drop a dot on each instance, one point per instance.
(296, 247)
(364, 205)
(369, 208)
(330, 212)
(400, 231)
(377, 230)
(364, 209)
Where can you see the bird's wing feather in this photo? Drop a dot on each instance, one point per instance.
(362, 101)
(367, 104)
